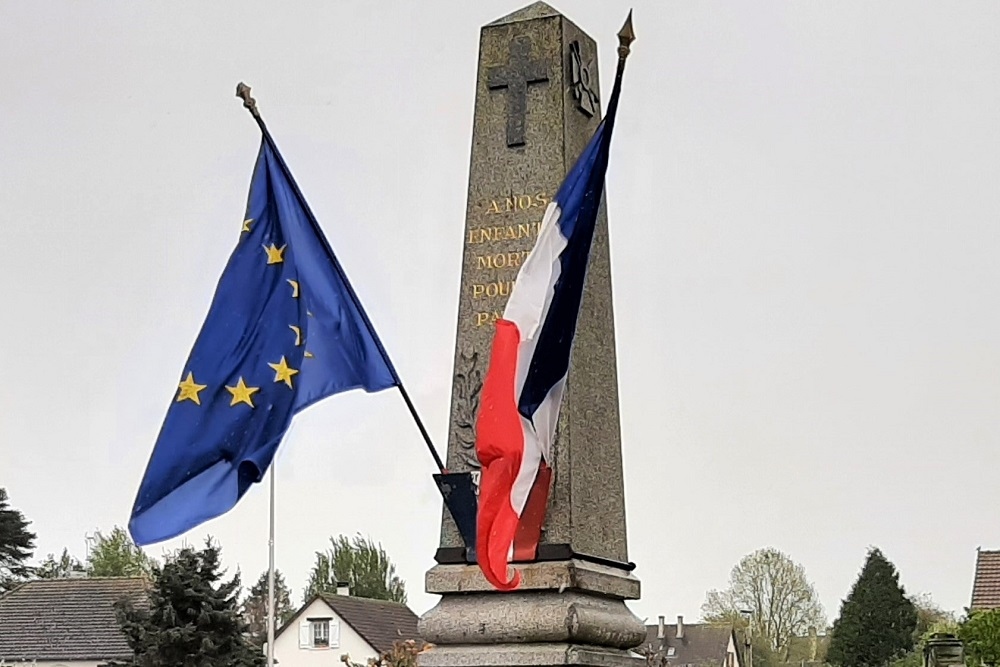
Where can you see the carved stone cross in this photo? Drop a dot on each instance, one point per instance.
(515, 76)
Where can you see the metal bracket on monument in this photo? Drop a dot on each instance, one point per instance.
(459, 493)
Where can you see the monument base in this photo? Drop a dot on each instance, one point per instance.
(526, 655)
(568, 612)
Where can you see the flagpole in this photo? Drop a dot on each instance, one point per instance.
(243, 92)
(270, 577)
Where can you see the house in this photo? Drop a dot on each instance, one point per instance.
(340, 624)
(690, 645)
(986, 584)
(66, 622)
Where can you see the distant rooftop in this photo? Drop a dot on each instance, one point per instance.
(986, 585)
(66, 619)
(699, 643)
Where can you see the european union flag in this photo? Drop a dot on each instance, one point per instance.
(285, 329)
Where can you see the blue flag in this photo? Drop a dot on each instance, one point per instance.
(285, 329)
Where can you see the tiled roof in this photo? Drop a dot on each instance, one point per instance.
(700, 644)
(986, 586)
(379, 622)
(66, 619)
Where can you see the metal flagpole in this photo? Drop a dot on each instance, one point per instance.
(270, 578)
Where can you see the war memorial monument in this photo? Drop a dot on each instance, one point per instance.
(537, 104)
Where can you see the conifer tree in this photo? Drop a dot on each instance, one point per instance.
(17, 544)
(877, 620)
(255, 606)
(191, 617)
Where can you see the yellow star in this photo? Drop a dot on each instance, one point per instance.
(295, 287)
(274, 254)
(283, 372)
(246, 224)
(298, 334)
(242, 393)
(189, 389)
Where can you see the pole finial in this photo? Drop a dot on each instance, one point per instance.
(243, 92)
(625, 37)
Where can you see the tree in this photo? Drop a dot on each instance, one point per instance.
(64, 566)
(17, 544)
(877, 621)
(981, 635)
(931, 617)
(190, 618)
(775, 590)
(402, 654)
(255, 606)
(116, 555)
(362, 565)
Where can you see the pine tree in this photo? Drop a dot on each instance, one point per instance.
(17, 544)
(255, 606)
(191, 617)
(877, 620)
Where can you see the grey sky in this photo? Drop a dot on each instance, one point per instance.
(803, 206)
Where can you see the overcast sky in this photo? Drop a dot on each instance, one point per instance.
(805, 232)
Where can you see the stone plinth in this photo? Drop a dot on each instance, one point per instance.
(564, 613)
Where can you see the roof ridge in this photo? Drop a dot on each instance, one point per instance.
(337, 596)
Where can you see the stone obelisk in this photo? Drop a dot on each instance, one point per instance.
(537, 105)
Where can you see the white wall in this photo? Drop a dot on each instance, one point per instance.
(732, 649)
(288, 654)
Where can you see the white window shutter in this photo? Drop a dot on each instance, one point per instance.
(334, 633)
(305, 634)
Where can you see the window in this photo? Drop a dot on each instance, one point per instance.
(730, 660)
(671, 651)
(320, 633)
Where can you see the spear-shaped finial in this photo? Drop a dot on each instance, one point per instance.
(625, 37)
(243, 92)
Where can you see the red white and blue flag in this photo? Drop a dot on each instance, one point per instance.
(529, 361)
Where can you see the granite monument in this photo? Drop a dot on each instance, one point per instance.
(537, 105)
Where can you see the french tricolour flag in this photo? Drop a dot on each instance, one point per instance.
(524, 384)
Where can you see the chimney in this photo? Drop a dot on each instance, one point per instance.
(680, 627)
(661, 631)
(343, 588)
